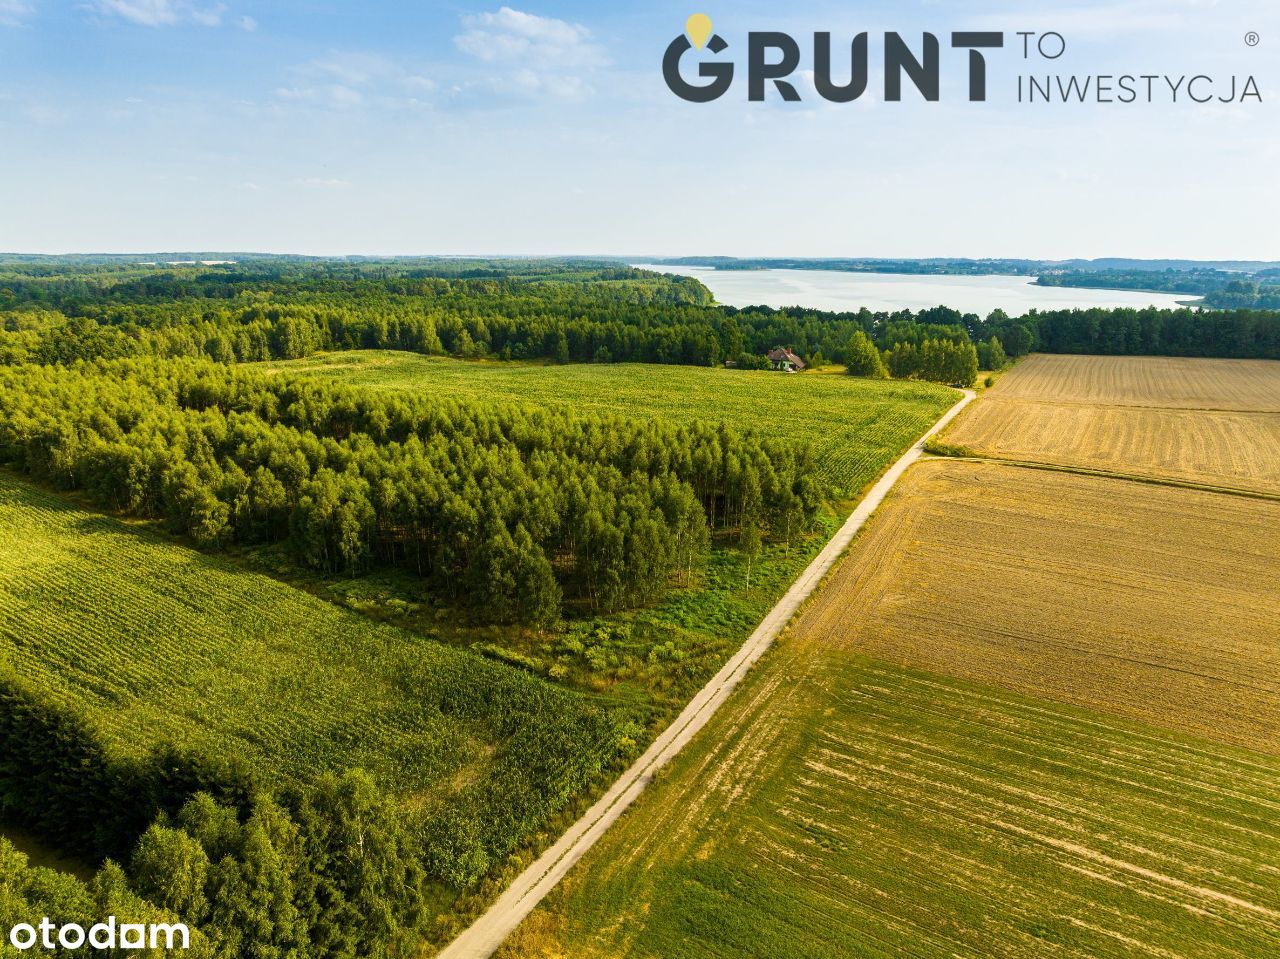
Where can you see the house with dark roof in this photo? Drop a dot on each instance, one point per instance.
(783, 359)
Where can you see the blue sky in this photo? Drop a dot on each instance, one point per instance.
(544, 127)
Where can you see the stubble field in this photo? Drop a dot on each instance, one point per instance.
(846, 807)
(1156, 603)
(1207, 422)
(1157, 381)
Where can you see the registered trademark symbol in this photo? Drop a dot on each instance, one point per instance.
(1252, 38)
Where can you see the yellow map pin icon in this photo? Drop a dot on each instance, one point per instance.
(698, 27)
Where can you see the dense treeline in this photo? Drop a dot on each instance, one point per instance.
(29, 894)
(328, 869)
(58, 779)
(333, 874)
(939, 361)
(610, 317)
(1238, 334)
(1220, 289)
(507, 509)
(332, 871)
(1192, 282)
(561, 311)
(1244, 294)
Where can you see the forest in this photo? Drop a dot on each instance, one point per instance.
(330, 870)
(508, 510)
(1261, 294)
(1220, 289)
(1229, 334)
(1193, 282)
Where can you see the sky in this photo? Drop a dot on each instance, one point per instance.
(545, 127)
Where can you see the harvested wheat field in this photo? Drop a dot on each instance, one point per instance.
(848, 808)
(1161, 381)
(1010, 724)
(1115, 414)
(1156, 603)
(1223, 449)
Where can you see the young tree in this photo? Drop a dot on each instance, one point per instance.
(750, 543)
(965, 368)
(537, 592)
(863, 359)
(170, 868)
(903, 361)
(991, 355)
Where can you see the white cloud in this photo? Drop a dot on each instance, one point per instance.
(511, 36)
(420, 84)
(347, 79)
(14, 12)
(529, 56)
(513, 57)
(328, 94)
(556, 85)
(321, 182)
(1115, 18)
(354, 69)
(210, 17)
(344, 96)
(167, 13)
(248, 24)
(45, 114)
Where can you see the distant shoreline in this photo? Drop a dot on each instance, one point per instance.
(810, 288)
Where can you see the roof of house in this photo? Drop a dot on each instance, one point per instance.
(781, 354)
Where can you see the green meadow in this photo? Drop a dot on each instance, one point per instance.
(153, 643)
(855, 427)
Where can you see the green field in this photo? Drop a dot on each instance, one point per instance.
(155, 643)
(855, 427)
(850, 808)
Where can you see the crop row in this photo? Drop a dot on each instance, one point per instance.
(156, 646)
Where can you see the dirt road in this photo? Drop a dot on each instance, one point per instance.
(483, 937)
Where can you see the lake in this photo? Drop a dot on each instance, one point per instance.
(835, 290)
